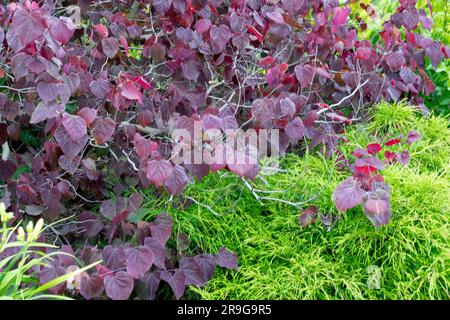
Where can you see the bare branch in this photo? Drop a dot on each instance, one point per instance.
(344, 98)
(203, 205)
(133, 165)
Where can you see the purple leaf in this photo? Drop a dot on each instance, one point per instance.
(340, 16)
(376, 204)
(413, 136)
(434, 51)
(287, 107)
(304, 74)
(244, 162)
(185, 35)
(103, 129)
(50, 273)
(162, 6)
(394, 93)
(3, 133)
(295, 129)
(10, 110)
(158, 250)
(348, 194)
(113, 207)
(369, 161)
(44, 112)
(25, 28)
(90, 224)
(7, 169)
(162, 228)
(144, 147)
(363, 53)
(176, 281)
(377, 211)
(403, 157)
(191, 70)
(227, 259)
(210, 121)
(177, 181)
(276, 17)
(99, 88)
(62, 29)
(34, 210)
(114, 257)
(202, 25)
(334, 116)
(119, 286)
(326, 220)
(91, 286)
(208, 264)
(179, 6)
(130, 91)
(273, 76)
(73, 82)
(241, 41)
(427, 22)
(193, 271)
(410, 19)
(219, 37)
(395, 61)
(48, 91)
(158, 171)
(139, 260)
(70, 147)
(135, 202)
(308, 216)
(151, 281)
(18, 66)
(88, 114)
(75, 126)
(262, 110)
(198, 170)
(373, 148)
(51, 196)
(229, 122)
(110, 47)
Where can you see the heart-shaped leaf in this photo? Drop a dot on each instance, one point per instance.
(119, 286)
(139, 260)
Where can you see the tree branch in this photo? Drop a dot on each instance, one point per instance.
(344, 98)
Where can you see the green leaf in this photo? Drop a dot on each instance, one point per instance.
(21, 170)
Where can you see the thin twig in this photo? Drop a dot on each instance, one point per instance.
(130, 161)
(343, 99)
(203, 205)
(77, 194)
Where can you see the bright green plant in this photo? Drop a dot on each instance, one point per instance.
(17, 282)
(439, 101)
